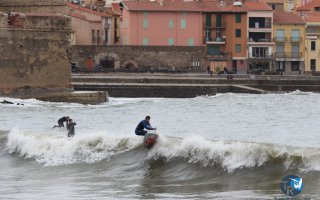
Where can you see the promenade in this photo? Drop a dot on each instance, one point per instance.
(190, 85)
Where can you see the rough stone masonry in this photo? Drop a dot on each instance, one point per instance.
(34, 53)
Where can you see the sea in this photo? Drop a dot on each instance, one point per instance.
(227, 146)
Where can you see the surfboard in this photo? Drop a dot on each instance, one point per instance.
(149, 140)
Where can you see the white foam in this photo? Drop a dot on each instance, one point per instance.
(232, 155)
(52, 150)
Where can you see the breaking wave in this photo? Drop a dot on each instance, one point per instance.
(54, 150)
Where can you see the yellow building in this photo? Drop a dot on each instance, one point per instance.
(289, 32)
(312, 42)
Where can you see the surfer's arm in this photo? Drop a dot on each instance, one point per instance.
(147, 126)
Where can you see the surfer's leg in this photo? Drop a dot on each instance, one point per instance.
(142, 132)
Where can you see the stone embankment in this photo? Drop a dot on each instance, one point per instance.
(190, 85)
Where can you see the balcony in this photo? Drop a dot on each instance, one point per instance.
(215, 40)
(295, 39)
(107, 26)
(280, 39)
(260, 24)
(259, 40)
(220, 56)
(260, 56)
(289, 55)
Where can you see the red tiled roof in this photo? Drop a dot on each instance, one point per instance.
(280, 17)
(79, 16)
(77, 7)
(310, 6)
(311, 16)
(194, 6)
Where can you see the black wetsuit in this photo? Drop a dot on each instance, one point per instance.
(70, 127)
(144, 124)
(61, 121)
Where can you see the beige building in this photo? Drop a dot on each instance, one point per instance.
(93, 27)
(312, 41)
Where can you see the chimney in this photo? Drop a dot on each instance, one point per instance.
(160, 2)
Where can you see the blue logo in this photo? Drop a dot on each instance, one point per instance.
(291, 185)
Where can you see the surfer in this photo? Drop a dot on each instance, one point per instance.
(70, 127)
(144, 124)
(61, 121)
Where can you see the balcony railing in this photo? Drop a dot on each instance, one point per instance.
(257, 26)
(214, 39)
(295, 39)
(261, 56)
(259, 40)
(288, 55)
(280, 39)
(220, 56)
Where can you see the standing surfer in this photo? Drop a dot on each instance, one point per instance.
(70, 127)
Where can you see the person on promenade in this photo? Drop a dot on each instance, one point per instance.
(144, 124)
(61, 121)
(208, 69)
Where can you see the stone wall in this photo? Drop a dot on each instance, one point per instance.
(139, 58)
(34, 53)
(33, 6)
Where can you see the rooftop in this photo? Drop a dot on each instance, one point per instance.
(194, 6)
(310, 6)
(280, 17)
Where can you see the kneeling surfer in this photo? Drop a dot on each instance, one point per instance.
(144, 124)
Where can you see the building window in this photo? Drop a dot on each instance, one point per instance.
(273, 6)
(313, 64)
(238, 18)
(238, 32)
(218, 20)
(313, 45)
(190, 42)
(145, 23)
(238, 48)
(171, 23)
(145, 41)
(98, 37)
(295, 66)
(145, 14)
(170, 41)
(183, 24)
(93, 36)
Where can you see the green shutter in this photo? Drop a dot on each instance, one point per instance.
(145, 41)
(183, 24)
(238, 32)
(145, 23)
(145, 14)
(170, 41)
(238, 18)
(208, 20)
(218, 20)
(238, 48)
(190, 42)
(171, 23)
(213, 50)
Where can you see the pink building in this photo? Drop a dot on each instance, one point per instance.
(175, 23)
